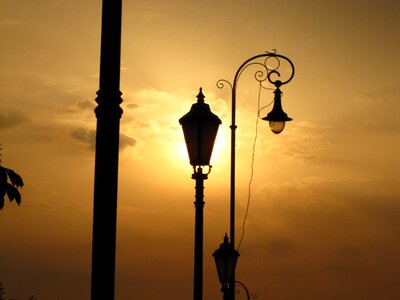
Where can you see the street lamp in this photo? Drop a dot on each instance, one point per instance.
(200, 127)
(277, 117)
(225, 260)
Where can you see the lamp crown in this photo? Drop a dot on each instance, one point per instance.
(226, 239)
(200, 96)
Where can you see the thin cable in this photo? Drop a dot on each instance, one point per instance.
(252, 170)
(260, 109)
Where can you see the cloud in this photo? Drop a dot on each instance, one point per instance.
(87, 104)
(337, 228)
(384, 105)
(132, 105)
(88, 137)
(338, 268)
(349, 251)
(351, 213)
(280, 246)
(126, 141)
(154, 94)
(347, 259)
(308, 142)
(12, 119)
(9, 22)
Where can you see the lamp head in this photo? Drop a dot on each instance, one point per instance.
(277, 117)
(225, 259)
(200, 127)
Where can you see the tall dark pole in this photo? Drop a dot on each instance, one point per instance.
(108, 113)
(199, 176)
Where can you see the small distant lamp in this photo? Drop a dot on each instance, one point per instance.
(225, 260)
(277, 117)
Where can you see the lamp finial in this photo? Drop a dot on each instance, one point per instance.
(200, 96)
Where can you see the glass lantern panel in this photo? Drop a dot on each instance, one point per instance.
(276, 126)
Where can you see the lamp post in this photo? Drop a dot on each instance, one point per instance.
(200, 127)
(277, 117)
(108, 113)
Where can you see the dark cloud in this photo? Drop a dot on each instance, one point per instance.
(86, 104)
(349, 251)
(126, 141)
(132, 105)
(12, 119)
(338, 268)
(88, 137)
(279, 246)
(347, 258)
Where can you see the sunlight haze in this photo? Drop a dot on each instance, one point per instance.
(324, 214)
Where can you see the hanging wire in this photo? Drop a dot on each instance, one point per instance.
(252, 164)
(251, 172)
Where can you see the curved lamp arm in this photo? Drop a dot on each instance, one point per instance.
(265, 73)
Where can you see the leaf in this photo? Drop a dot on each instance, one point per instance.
(18, 197)
(2, 191)
(15, 179)
(3, 176)
(12, 193)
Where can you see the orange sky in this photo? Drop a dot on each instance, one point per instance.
(325, 207)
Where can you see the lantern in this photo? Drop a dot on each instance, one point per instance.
(200, 127)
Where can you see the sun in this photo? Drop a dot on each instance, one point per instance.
(182, 151)
(220, 147)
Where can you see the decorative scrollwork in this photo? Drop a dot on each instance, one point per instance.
(221, 84)
(244, 287)
(266, 71)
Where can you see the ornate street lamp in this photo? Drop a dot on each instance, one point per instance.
(277, 117)
(200, 127)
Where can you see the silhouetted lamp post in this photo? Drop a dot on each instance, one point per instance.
(200, 127)
(277, 117)
(108, 113)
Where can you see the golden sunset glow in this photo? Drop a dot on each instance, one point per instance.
(324, 210)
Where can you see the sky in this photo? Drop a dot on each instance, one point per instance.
(324, 213)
